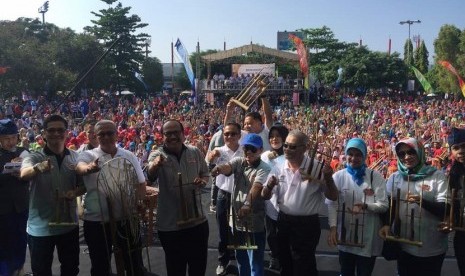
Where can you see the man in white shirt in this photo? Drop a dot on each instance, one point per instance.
(97, 234)
(300, 199)
(225, 184)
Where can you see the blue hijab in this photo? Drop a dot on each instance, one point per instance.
(357, 173)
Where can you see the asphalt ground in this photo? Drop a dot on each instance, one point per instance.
(327, 258)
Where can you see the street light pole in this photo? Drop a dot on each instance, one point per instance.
(409, 22)
(43, 9)
(148, 41)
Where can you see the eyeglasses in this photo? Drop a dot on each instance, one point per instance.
(291, 147)
(230, 134)
(402, 154)
(106, 133)
(171, 133)
(250, 148)
(56, 130)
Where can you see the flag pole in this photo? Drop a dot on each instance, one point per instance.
(172, 69)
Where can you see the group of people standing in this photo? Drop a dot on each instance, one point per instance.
(269, 188)
(40, 206)
(357, 198)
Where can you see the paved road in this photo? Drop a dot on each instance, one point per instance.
(326, 257)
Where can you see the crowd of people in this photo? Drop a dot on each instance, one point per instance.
(366, 162)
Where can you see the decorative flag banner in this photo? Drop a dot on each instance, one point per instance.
(426, 85)
(184, 55)
(451, 69)
(3, 70)
(302, 52)
(141, 79)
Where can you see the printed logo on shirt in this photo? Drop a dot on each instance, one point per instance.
(425, 187)
(191, 160)
(369, 192)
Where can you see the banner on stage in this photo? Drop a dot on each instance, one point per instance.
(253, 69)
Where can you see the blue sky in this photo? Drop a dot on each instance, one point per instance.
(213, 22)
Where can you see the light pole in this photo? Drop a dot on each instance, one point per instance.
(409, 22)
(148, 41)
(43, 9)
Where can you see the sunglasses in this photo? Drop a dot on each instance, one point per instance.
(410, 152)
(230, 134)
(105, 133)
(291, 147)
(250, 148)
(171, 133)
(56, 130)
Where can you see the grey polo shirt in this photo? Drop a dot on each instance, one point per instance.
(244, 177)
(43, 203)
(191, 165)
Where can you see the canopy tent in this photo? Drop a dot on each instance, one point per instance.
(251, 48)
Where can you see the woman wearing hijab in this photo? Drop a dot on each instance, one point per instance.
(362, 193)
(421, 186)
(273, 157)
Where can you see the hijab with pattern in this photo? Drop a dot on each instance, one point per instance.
(420, 171)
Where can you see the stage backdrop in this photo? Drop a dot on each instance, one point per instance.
(253, 69)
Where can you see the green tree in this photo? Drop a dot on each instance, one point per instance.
(408, 52)
(128, 55)
(365, 69)
(325, 53)
(447, 47)
(421, 58)
(182, 81)
(153, 74)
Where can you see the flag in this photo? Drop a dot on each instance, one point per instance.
(451, 69)
(426, 85)
(302, 53)
(184, 55)
(141, 79)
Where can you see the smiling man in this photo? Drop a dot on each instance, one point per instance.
(96, 214)
(299, 200)
(54, 187)
(225, 184)
(185, 244)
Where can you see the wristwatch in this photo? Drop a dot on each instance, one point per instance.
(36, 168)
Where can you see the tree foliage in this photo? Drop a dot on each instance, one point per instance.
(421, 58)
(153, 74)
(43, 58)
(128, 55)
(449, 47)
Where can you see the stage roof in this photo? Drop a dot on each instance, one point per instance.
(251, 48)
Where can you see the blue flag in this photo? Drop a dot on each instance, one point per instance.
(184, 55)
